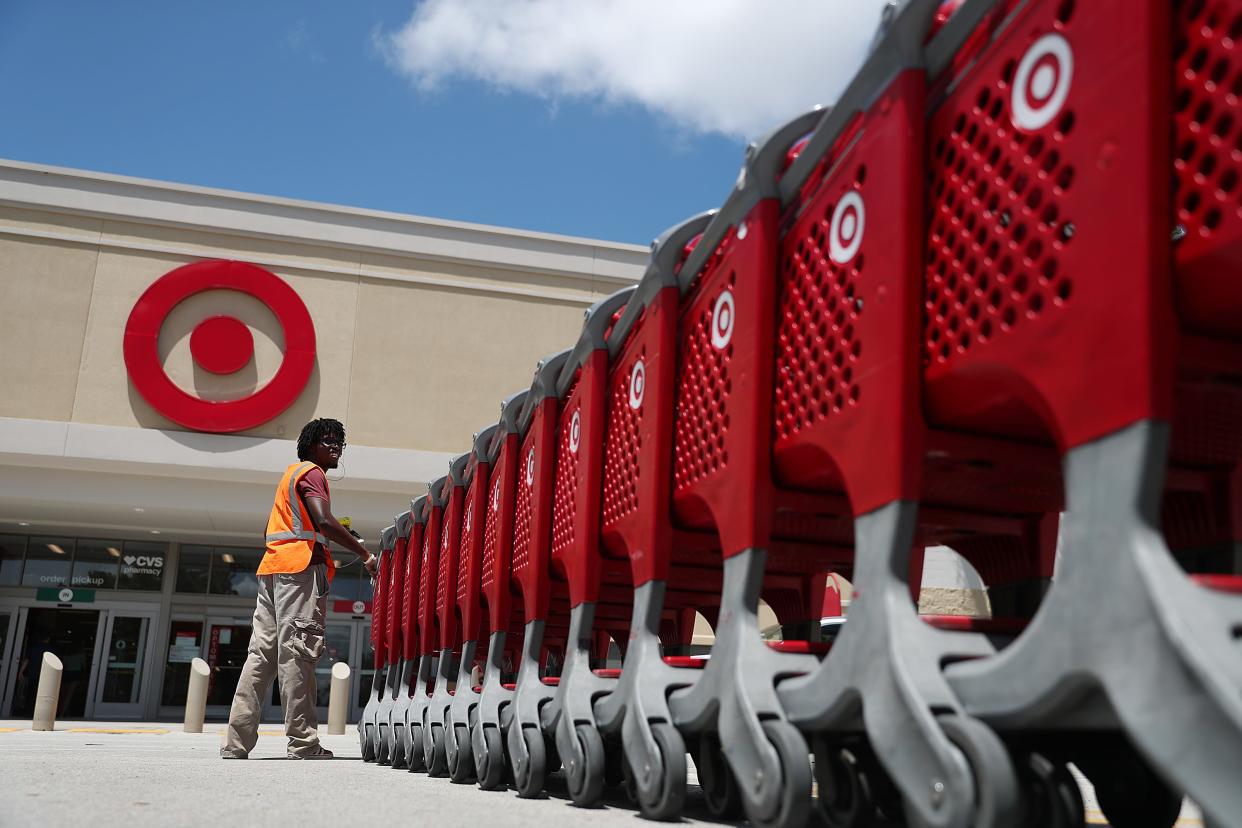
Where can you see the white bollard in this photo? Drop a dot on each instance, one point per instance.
(338, 699)
(196, 696)
(48, 695)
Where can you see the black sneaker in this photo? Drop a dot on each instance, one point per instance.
(225, 754)
(317, 752)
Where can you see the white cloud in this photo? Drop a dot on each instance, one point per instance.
(737, 67)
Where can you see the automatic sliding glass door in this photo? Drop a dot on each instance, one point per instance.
(120, 690)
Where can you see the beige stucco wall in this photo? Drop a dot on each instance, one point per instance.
(41, 353)
(412, 352)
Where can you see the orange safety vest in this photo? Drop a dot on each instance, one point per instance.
(291, 534)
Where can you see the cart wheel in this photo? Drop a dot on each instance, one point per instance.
(998, 801)
(1130, 793)
(418, 763)
(368, 754)
(398, 754)
(461, 768)
(720, 791)
(437, 763)
(845, 799)
(489, 763)
(528, 772)
(383, 746)
(584, 768)
(666, 796)
(794, 805)
(627, 781)
(614, 764)
(551, 754)
(1052, 796)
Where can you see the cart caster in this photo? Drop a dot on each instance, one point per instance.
(614, 765)
(664, 795)
(364, 741)
(528, 771)
(720, 791)
(1053, 799)
(437, 763)
(489, 759)
(417, 763)
(793, 806)
(584, 766)
(461, 766)
(845, 797)
(998, 801)
(627, 782)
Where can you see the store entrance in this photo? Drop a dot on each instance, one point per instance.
(70, 634)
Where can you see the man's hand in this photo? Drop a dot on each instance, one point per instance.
(372, 565)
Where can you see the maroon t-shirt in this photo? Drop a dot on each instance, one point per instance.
(315, 484)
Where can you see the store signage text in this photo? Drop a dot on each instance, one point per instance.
(65, 595)
(142, 565)
(220, 345)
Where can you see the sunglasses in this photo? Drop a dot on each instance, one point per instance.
(333, 444)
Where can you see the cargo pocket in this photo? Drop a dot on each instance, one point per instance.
(307, 640)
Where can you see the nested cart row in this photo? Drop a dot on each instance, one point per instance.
(991, 300)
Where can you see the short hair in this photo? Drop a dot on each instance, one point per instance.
(316, 430)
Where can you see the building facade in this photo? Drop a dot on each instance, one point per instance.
(152, 396)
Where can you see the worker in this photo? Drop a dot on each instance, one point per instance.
(287, 638)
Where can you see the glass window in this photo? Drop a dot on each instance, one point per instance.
(185, 642)
(47, 562)
(347, 584)
(193, 568)
(95, 564)
(142, 565)
(336, 648)
(228, 646)
(12, 547)
(232, 572)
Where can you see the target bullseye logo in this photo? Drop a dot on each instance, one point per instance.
(722, 320)
(496, 497)
(846, 232)
(220, 345)
(530, 467)
(638, 384)
(1042, 82)
(575, 431)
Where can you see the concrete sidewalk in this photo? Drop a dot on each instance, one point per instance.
(105, 774)
(142, 774)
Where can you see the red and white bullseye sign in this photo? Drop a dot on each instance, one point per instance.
(1042, 82)
(638, 384)
(722, 320)
(575, 432)
(846, 231)
(219, 344)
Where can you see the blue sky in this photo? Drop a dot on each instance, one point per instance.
(609, 119)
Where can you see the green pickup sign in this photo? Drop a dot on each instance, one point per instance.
(65, 595)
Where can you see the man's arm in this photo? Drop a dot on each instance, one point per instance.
(331, 529)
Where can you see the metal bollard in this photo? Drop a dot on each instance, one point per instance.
(338, 699)
(47, 696)
(196, 696)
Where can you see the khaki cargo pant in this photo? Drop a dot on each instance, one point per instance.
(286, 641)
